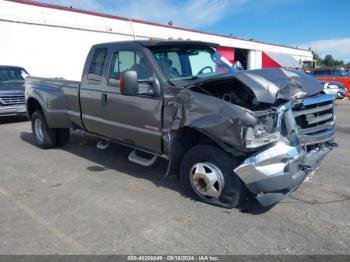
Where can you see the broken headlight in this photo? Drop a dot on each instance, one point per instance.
(263, 133)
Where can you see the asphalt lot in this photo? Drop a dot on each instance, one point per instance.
(81, 200)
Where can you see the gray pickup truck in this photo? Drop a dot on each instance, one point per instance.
(224, 132)
(12, 100)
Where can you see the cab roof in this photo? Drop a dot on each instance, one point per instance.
(154, 43)
(10, 66)
(149, 43)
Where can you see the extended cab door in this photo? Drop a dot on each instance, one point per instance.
(92, 89)
(134, 120)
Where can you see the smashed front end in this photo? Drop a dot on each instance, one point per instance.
(300, 137)
(292, 131)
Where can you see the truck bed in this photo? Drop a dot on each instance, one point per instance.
(59, 99)
(58, 82)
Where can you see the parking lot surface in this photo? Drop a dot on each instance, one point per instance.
(82, 200)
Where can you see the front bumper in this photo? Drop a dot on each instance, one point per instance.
(13, 110)
(274, 173)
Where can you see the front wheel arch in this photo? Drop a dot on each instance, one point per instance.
(181, 141)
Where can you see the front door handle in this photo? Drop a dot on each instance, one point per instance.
(104, 99)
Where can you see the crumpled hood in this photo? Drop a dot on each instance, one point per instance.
(271, 84)
(12, 89)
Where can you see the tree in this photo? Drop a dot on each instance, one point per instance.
(317, 57)
(328, 61)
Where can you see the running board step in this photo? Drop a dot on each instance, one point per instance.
(141, 160)
(103, 144)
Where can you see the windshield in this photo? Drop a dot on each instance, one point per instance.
(12, 75)
(188, 63)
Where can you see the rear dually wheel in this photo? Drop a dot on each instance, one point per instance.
(44, 136)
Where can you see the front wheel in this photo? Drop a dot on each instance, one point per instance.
(44, 136)
(207, 174)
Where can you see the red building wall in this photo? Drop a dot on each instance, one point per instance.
(227, 52)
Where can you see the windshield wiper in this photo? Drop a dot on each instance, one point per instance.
(194, 77)
(188, 78)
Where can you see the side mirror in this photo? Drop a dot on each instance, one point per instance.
(129, 83)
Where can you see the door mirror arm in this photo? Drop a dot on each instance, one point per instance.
(154, 85)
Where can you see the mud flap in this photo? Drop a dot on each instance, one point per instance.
(176, 152)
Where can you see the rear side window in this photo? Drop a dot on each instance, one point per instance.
(98, 61)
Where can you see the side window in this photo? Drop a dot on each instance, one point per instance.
(97, 63)
(127, 60)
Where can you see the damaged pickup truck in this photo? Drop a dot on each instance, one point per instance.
(226, 133)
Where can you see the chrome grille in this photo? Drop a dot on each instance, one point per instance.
(12, 100)
(314, 117)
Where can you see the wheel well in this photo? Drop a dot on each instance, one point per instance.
(32, 106)
(185, 139)
(189, 137)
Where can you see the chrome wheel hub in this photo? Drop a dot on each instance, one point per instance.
(207, 179)
(39, 133)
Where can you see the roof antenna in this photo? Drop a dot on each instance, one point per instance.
(171, 23)
(132, 29)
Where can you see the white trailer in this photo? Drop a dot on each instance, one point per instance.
(50, 40)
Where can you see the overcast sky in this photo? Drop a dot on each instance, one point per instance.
(320, 24)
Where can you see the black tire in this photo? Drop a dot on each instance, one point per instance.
(47, 138)
(62, 136)
(233, 190)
